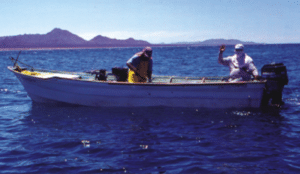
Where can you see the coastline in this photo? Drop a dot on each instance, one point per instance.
(57, 48)
(136, 46)
(78, 48)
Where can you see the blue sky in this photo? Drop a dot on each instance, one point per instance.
(156, 21)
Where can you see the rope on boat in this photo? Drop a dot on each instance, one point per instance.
(15, 61)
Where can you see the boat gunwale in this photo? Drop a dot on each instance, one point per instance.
(143, 83)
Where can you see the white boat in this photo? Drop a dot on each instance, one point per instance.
(113, 90)
(83, 89)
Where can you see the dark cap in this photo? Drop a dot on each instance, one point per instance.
(147, 51)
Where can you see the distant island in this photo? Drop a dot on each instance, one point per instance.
(58, 38)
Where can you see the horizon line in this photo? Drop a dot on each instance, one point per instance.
(161, 43)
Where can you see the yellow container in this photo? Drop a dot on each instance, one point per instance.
(30, 73)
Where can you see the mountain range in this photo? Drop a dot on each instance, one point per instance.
(58, 38)
(212, 42)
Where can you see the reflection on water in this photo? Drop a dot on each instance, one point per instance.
(134, 138)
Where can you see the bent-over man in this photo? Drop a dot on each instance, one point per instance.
(140, 66)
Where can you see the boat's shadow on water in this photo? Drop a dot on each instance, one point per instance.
(89, 116)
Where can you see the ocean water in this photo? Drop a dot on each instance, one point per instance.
(38, 138)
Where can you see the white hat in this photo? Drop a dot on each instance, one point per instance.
(239, 47)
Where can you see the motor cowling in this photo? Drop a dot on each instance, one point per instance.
(277, 78)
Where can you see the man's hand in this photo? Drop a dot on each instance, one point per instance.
(257, 77)
(131, 67)
(222, 48)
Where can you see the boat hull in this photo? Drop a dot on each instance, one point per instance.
(122, 94)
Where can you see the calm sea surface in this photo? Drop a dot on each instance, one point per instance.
(37, 138)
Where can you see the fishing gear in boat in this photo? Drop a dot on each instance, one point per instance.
(119, 73)
(99, 74)
(16, 65)
(17, 59)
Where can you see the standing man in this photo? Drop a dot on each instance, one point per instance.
(240, 64)
(140, 66)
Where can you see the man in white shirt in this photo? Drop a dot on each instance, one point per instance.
(240, 64)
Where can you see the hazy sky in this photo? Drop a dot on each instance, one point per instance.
(156, 21)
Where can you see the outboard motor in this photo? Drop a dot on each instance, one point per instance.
(276, 76)
(120, 73)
